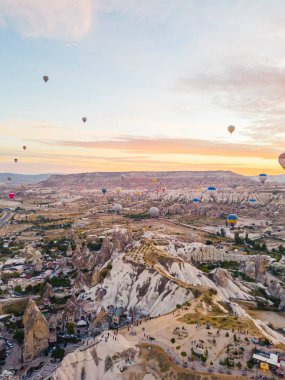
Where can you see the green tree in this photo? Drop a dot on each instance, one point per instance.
(18, 288)
(250, 363)
(19, 336)
(58, 353)
(70, 328)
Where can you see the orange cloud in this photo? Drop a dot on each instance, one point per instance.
(157, 146)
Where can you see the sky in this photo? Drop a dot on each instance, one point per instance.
(158, 80)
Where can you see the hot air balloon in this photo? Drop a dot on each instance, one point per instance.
(196, 200)
(263, 178)
(117, 208)
(154, 180)
(11, 195)
(45, 78)
(118, 190)
(104, 190)
(252, 201)
(84, 119)
(15, 159)
(153, 212)
(232, 219)
(63, 201)
(231, 128)
(9, 178)
(281, 160)
(24, 147)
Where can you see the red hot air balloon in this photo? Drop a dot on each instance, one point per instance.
(11, 195)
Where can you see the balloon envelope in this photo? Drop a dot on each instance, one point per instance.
(232, 219)
(24, 147)
(84, 119)
(104, 190)
(15, 159)
(263, 177)
(117, 208)
(231, 128)
(281, 160)
(45, 78)
(153, 212)
(11, 195)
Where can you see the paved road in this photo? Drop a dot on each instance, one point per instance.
(14, 359)
(5, 218)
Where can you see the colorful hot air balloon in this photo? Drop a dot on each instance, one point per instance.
(232, 219)
(231, 128)
(24, 147)
(45, 78)
(153, 212)
(263, 178)
(15, 159)
(281, 160)
(196, 200)
(84, 119)
(11, 195)
(104, 190)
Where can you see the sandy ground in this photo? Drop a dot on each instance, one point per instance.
(162, 329)
(276, 319)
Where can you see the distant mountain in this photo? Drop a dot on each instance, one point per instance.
(174, 179)
(23, 178)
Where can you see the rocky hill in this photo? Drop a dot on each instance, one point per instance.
(36, 332)
(144, 179)
(22, 178)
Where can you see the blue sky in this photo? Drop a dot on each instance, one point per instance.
(159, 82)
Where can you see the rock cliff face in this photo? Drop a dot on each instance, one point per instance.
(36, 332)
(256, 269)
(275, 289)
(48, 291)
(120, 239)
(225, 282)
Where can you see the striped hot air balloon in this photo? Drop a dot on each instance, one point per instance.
(232, 219)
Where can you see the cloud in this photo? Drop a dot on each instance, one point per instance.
(67, 20)
(178, 146)
(253, 91)
(243, 87)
